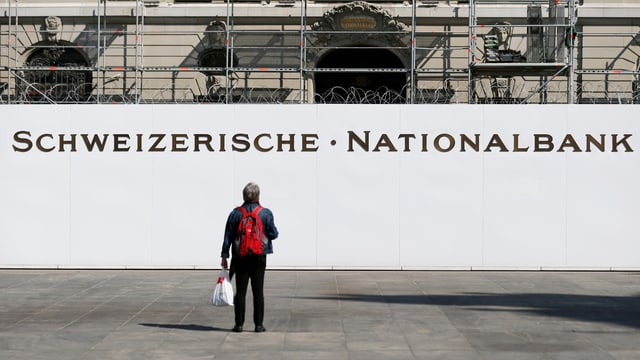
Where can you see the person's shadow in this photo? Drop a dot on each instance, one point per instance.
(191, 327)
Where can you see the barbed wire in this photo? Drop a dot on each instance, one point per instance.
(454, 93)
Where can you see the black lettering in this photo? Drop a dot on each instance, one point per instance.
(155, 146)
(178, 142)
(282, 141)
(240, 142)
(592, 141)
(94, 142)
(120, 142)
(202, 139)
(364, 144)
(39, 143)
(62, 142)
(309, 142)
(384, 141)
(622, 142)
(222, 142)
(542, 143)
(256, 143)
(407, 141)
(138, 143)
(496, 141)
(438, 145)
(569, 141)
(516, 144)
(22, 140)
(474, 144)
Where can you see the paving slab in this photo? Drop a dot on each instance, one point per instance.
(373, 315)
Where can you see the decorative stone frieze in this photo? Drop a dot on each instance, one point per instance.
(358, 23)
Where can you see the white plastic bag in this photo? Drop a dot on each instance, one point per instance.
(223, 292)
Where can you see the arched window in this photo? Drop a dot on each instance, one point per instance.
(55, 77)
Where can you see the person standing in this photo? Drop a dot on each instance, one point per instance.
(248, 263)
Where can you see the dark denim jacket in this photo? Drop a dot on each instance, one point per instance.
(231, 230)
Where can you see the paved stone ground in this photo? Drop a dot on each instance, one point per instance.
(129, 314)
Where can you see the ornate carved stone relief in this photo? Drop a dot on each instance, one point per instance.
(358, 15)
(357, 23)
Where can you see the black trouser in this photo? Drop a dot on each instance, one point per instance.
(245, 268)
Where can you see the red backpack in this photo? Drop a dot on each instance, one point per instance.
(250, 232)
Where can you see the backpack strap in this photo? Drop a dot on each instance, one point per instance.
(243, 210)
(256, 211)
(246, 213)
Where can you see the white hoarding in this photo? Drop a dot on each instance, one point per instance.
(351, 186)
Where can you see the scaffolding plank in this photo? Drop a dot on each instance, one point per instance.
(519, 69)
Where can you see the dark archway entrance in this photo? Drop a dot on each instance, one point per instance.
(360, 87)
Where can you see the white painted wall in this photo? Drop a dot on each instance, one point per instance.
(334, 208)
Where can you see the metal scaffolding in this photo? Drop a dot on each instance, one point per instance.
(353, 53)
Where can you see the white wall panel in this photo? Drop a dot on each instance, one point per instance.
(287, 179)
(524, 203)
(190, 190)
(357, 191)
(603, 195)
(440, 193)
(110, 202)
(34, 194)
(401, 202)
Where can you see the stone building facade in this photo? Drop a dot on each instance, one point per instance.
(290, 51)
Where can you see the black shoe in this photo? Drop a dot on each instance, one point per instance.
(260, 328)
(237, 329)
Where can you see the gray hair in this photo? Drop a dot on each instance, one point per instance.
(251, 192)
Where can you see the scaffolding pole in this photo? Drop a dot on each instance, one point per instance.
(9, 41)
(98, 94)
(472, 49)
(571, 42)
(412, 76)
(303, 48)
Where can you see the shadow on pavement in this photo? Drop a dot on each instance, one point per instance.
(191, 327)
(619, 310)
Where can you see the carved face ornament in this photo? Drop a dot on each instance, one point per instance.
(53, 28)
